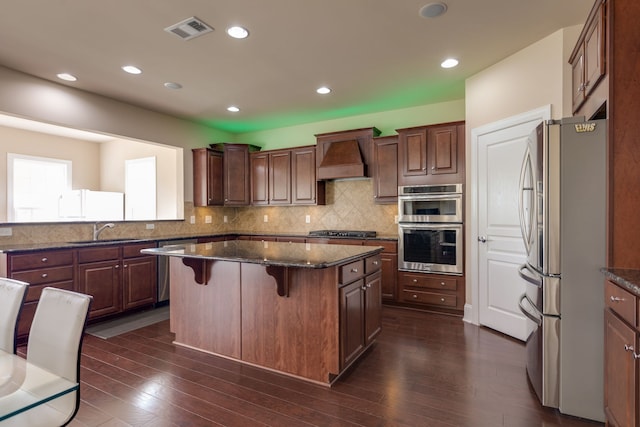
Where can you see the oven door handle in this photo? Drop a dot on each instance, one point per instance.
(535, 319)
(527, 276)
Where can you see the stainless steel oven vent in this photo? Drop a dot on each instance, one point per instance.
(189, 28)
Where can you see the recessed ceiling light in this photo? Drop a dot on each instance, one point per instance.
(449, 63)
(433, 10)
(132, 69)
(68, 77)
(173, 85)
(233, 109)
(323, 90)
(238, 32)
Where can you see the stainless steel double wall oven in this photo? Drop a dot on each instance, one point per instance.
(430, 228)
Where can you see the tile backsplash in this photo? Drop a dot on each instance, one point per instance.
(349, 206)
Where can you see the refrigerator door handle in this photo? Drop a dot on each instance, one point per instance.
(525, 213)
(523, 272)
(536, 319)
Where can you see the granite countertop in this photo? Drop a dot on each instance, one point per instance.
(627, 278)
(19, 247)
(283, 254)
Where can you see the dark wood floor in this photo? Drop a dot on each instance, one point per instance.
(424, 370)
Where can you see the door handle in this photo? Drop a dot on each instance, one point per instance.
(482, 239)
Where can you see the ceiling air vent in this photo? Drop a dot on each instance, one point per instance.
(189, 28)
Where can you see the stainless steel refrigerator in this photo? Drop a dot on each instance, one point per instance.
(562, 216)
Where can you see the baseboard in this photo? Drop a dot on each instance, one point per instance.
(468, 314)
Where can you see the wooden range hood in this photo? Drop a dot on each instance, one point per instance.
(345, 154)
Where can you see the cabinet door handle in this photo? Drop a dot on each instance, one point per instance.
(44, 275)
(126, 265)
(364, 288)
(375, 263)
(368, 285)
(117, 266)
(45, 259)
(616, 299)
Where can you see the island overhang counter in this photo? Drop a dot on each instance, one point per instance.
(302, 309)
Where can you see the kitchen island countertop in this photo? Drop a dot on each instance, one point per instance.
(282, 254)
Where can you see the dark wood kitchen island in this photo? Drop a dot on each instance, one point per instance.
(305, 310)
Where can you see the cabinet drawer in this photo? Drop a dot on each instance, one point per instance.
(390, 247)
(429, 282)
(45, 275)
(429, 298)
(133, 251)
(41, 259)
(34, 291)
(373, 263)
(621, 301)
(351, 271)
(103, 253)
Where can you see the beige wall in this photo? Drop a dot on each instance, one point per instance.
(536, 76)
(29, 97)
(387, 122)
(85, 157)
(170, 198)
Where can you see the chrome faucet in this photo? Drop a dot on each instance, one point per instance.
(97, 231)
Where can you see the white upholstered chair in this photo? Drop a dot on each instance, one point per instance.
(55, 342)
(12, 294)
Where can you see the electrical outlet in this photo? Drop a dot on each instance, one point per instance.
(225, 219)
(192, 219)
(6, 231)
(150, 226)
(307, 219)
(207, 219)
(395, 219)
(266, 218)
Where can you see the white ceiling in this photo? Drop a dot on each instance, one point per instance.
(376, 55)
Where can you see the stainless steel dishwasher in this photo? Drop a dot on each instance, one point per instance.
(163, 269)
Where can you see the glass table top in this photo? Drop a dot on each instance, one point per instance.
(24, 385)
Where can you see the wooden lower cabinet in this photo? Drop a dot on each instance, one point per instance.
(118, 277)
(621, 357)
(438, 292)
(360, 313)
(40, 269)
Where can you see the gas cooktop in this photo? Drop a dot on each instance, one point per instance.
(342, 233)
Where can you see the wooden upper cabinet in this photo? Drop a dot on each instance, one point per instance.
(443, 147)
(305, 190)
(286, 177)
(259, 178)
(280, 177)
(208, 187)
(431, 154)
(385, 169)
(588, 63)
(237, 175)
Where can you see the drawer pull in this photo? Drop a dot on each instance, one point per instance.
(442, 284)
(628, 347)
(415, 296)
(415, 280)
(354, 270)
(45, 259)
(442, 299)
(375, 262)
(44, 275)
(616, 299)
(363, 287)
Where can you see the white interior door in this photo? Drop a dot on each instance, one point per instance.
(499, 248)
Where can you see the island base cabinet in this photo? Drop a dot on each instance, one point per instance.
(297, 333)
(206, 315)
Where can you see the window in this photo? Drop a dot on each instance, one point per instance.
(34, 186)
